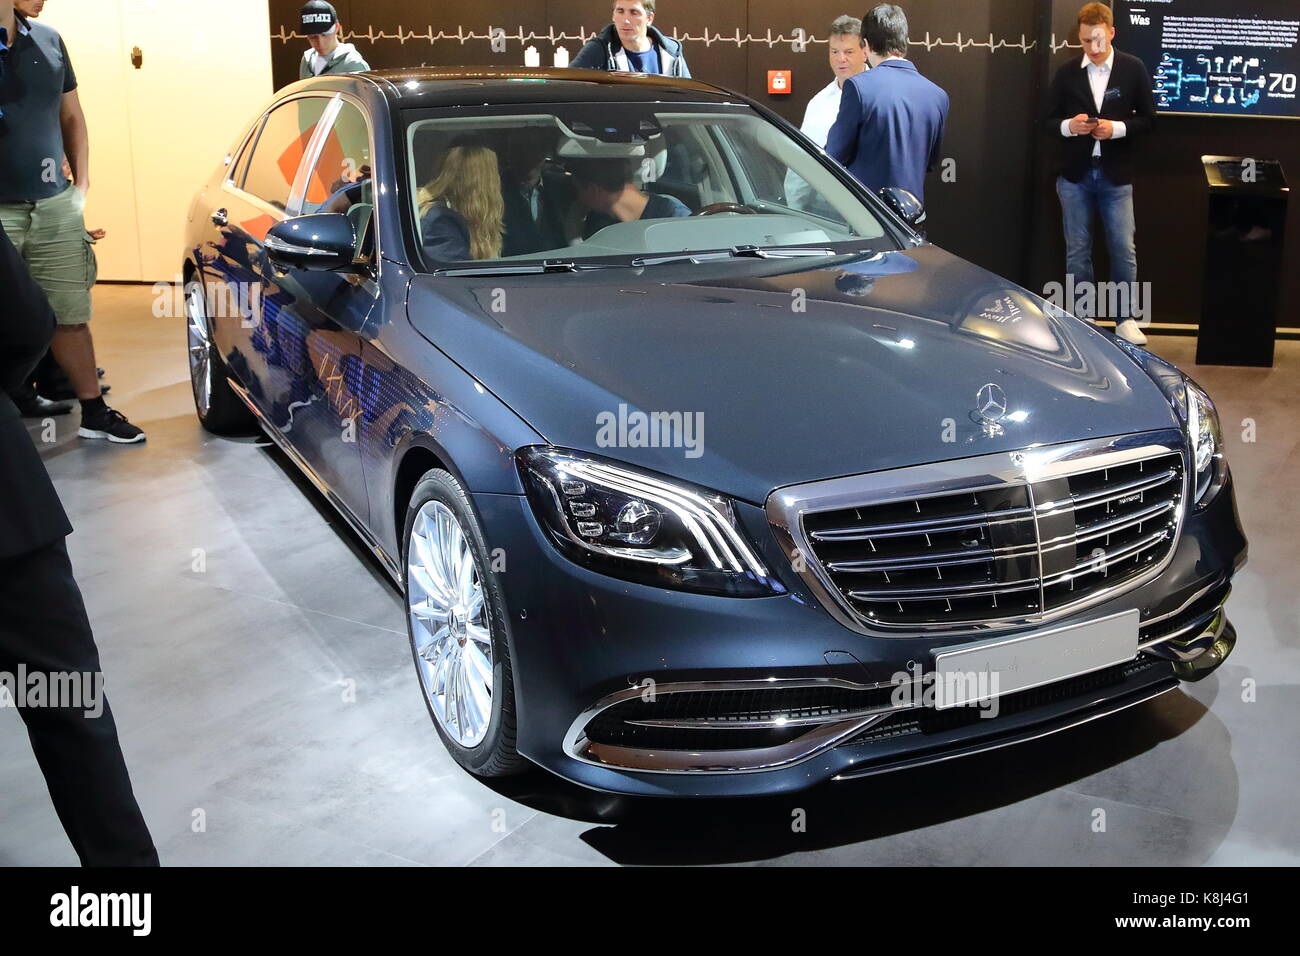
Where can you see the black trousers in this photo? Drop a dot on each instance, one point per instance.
(48, 378)
(43, 626)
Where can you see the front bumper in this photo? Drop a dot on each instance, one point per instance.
(582, 642)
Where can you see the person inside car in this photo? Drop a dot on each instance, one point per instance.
(608, 189)
(461, 209)
(534, 194)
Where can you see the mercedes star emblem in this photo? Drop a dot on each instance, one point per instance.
(991, 403)
(990, 406)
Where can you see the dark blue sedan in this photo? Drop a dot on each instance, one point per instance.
(700, 470)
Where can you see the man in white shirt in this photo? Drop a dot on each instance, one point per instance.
(1098, 109)
(848, 57)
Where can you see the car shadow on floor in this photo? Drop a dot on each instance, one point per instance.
(676, 831)
(360, 550)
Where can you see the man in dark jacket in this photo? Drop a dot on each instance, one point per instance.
(632, 45)
(45, 637)
(534, 193)
(1098, 108)
(890, 125)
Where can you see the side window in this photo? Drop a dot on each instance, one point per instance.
(240, 169)
(280, 149)
(341, 179)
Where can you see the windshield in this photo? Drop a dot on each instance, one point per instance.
(625, 181)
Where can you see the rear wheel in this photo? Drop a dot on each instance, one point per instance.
(456, 624)
(220, 410)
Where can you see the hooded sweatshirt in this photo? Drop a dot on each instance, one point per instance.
(605, 52)
(344, 59)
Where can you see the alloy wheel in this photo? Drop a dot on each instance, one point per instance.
(449, 624)
(199, 348)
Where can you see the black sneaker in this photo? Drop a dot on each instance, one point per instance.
(109, 423)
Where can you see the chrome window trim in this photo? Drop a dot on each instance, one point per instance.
(228, 185)
(246, 142)
(787, 506)
(311, 155)
(317, 146)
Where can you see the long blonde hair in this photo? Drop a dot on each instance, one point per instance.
(470, 184)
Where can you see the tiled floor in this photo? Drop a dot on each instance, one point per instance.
(270, 715)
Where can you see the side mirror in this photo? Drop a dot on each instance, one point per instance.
(323, 242)
(910, 209)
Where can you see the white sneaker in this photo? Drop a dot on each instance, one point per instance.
(1128, 331)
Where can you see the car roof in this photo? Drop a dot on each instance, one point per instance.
(431, 87)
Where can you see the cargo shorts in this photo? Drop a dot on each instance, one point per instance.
(50, 235)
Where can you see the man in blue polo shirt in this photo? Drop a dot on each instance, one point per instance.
(891, 118)
(41, 121)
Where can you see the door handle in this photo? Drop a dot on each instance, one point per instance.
(219, 218)
(137, 57)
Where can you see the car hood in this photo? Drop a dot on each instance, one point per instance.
(786, 372)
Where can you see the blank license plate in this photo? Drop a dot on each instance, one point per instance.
(975, 672)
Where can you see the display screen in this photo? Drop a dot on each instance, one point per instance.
(1221, 57)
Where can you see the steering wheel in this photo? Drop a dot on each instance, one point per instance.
(717, 207)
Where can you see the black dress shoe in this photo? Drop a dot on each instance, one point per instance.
(38, 407)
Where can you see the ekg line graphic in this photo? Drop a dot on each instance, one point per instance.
(552, 35)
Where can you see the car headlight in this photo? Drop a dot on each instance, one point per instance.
(1190, 402)
(1206, 440)
(633, 524)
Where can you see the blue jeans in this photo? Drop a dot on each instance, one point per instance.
(1095, 192)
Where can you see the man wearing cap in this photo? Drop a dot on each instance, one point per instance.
(319, 23)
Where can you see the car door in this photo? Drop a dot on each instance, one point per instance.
(312, 319)
(256, 195)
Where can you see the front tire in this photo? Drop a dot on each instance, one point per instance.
(220, 410)
(456, 623)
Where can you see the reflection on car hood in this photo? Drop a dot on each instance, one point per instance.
(792, 371)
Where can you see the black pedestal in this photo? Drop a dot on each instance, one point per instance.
(1243, 260)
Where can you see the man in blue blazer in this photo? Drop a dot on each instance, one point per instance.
(891, 118)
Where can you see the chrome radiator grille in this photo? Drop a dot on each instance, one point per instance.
(1014, 551)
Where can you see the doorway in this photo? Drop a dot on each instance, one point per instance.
(167, 87)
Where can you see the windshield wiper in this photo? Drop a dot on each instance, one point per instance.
(565, 265)
(523, 269)
(735, 252)
(777, 252)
